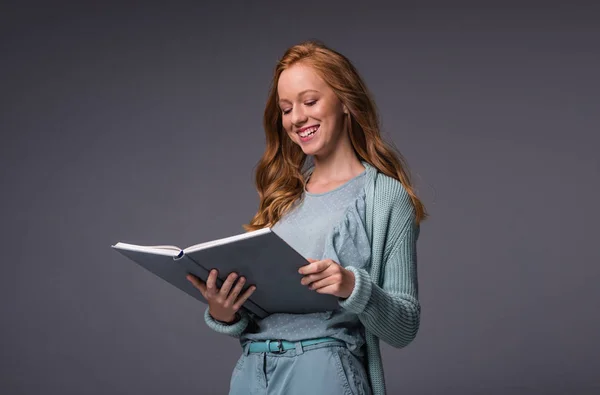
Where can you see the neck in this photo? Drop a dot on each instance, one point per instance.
(340, 164)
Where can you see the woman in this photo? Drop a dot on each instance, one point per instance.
(338, 194)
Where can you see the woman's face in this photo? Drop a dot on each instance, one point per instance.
(312, 115)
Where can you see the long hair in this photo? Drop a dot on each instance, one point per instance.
(279, 178)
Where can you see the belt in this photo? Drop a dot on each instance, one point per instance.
(279, 346)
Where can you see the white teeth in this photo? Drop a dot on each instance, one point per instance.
(310, 131)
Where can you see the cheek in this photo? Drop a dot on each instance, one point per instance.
(326, 112)
(319, 112)
(287, 125)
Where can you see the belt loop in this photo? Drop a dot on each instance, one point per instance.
(268, 344)
(299, 348)
(247, 348)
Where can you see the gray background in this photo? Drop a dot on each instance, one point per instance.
(142, 124)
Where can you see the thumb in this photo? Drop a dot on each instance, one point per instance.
(198, 284)
(311, 260)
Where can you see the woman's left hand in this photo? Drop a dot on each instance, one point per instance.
(328, 277)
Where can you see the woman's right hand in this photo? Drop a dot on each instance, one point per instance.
(224, 302)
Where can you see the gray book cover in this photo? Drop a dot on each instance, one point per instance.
(261, 256)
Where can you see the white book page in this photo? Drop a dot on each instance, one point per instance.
(226, 240)
(167, 250)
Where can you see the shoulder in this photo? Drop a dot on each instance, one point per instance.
(394, 214)
(397, 212)
(390, 194)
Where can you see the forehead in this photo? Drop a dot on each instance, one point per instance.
(298, 78)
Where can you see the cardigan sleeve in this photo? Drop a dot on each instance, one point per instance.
(392, 311)
(233, 330)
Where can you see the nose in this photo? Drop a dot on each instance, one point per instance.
(298, 116)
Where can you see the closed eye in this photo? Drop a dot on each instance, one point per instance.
(308, 103)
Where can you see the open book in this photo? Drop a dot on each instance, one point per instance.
(261, 256)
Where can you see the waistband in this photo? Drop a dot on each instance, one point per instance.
(280, 346)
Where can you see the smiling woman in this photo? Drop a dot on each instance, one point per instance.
(352, 212)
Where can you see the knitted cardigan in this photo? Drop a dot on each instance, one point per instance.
(385, 297)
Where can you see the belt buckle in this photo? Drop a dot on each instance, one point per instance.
(280, 349)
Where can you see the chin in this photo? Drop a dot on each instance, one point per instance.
(310, 150)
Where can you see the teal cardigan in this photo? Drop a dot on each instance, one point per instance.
(385, 297)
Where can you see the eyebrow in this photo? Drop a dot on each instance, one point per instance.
(300, 94)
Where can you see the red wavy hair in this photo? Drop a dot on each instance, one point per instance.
(279, 178)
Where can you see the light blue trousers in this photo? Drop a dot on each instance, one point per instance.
(326, 368)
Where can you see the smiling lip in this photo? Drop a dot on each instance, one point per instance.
(306, 127)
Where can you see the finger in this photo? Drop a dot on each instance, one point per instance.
(333, 289)
(306, 268)
(329, 280)
(307, 280)
(315, 267)
(211, 283)
(228, 284)
(236, 291)
(329, 270)
(242, 299)
(197, 283)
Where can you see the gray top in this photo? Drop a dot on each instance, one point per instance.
(320, 226)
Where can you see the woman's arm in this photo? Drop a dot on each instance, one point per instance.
(392, 311)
